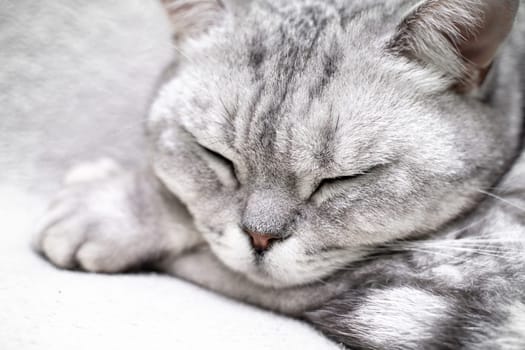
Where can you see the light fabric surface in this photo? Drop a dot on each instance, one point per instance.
(75, 80)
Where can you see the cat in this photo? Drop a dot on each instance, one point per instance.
(354, 164)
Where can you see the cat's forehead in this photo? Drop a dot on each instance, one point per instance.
(298, 93)
(311, 121)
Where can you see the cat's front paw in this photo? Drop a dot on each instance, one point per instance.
(95, 223)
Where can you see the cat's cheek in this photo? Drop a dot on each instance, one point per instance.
(288, 266)
(233, 248)
(291, 267)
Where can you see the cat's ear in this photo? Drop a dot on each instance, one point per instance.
(192, 18)
(459, 37)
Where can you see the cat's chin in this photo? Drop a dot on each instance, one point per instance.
(265, 276)
(265, 279)
(270, 276)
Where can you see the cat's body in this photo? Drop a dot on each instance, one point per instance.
(424, 251)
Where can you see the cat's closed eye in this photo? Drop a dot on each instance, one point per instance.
(222, 160)
(331, 182)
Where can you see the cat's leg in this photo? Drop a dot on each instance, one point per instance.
(383, 306)
(393, 304)
(402, 317)
(108, 219)
(414, 317)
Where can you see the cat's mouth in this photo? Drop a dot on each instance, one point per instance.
(286, 265)
(278, 263)
(277, 270)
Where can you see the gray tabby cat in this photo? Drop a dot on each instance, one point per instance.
(355, 164)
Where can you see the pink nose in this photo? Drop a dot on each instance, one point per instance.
(261, 241)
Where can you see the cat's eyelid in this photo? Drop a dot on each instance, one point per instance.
(215, 153)
(346, 177)
(342, 178)
(227, 161)
(210, 151)
(354, 175)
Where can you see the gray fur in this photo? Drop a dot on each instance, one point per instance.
(415, 238)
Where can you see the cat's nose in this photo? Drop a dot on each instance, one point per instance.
(261, 241)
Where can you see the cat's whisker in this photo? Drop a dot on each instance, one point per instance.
(474, 245)
(482, 240)
(471, 248)
(506, 201)
(441, 245)
(465, 228)
(401, 243)
(428, 251)
(485, 252)
(479, 252)
(182, 54)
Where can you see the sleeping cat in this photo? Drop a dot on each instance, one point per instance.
(355, 164)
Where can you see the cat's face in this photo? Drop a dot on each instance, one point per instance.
(323, 140)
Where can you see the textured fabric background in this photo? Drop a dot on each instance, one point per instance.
(75, 80)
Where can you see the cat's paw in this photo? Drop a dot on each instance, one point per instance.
(94, 222)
